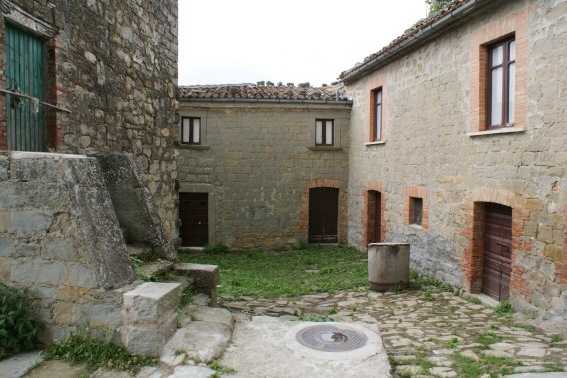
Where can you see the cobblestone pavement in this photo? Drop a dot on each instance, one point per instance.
(432, 334)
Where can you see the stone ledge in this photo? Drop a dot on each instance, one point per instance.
(206, 277)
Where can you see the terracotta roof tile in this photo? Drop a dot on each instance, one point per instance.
(409, 33)
(262, 91)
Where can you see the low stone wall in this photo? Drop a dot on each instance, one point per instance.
(60, 236)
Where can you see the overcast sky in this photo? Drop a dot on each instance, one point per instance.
(292, 41)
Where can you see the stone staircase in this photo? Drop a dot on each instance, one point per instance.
(155, 325)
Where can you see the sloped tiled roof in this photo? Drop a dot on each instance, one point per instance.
(425, 25)
(262, 92)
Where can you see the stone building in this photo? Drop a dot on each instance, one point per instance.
(263, 165)
(110, 71)
(458, 145)
(87, 156)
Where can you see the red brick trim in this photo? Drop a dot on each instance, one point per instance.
(304, 206)
(473, 213)
(517, 25)
(368, 223)
(417, 192)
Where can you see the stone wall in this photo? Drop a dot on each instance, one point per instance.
(257, 162)
(433, 101)
(113, 64)
(60, 236)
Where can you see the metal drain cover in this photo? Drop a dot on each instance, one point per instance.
(329, 338)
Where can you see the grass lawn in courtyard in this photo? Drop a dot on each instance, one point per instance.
(271, 274)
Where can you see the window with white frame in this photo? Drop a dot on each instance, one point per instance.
(324, 132)
(190, 130)
(501, 77)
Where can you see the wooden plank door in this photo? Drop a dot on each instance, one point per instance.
(497, 251)
(26, 130)
(374, 216)
(194, 215)
(323, 215)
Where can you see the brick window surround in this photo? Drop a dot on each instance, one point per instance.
(375, 83)
(512, 26)
(416, 192)
(368, 223)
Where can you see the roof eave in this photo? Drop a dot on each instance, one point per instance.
(417, 39)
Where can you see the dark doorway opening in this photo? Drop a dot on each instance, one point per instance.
(194, 215)
(323, 215)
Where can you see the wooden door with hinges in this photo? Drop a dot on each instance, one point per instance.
(25, 118)
(497, 266)
(194, 215)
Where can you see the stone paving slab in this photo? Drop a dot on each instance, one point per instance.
(18, 365)
(266, 347)
(436, 328)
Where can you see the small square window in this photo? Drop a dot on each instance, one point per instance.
(416, 211)
(191, 130)
(324, 132)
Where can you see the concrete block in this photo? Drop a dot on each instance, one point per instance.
(59, 249)
(200, 340)
(29, 222)
(206, 277)
(149, 339)
(38, 271)
(6, 247)
(80, 275)
(192, 312)
(192, 371)
(148, 302)
(106, 315)
(5, 269)
(5, 222)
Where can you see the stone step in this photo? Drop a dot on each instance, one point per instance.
(158, 267)
(204, 335)
(206, 278)
(149, 315)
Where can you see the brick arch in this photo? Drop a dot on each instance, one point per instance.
(304, 206)
(473, 214)
(378, 187)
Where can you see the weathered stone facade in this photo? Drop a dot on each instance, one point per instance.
(113, 64)
(108, 74)
(258, 159)
(59, 234)
(435, 147)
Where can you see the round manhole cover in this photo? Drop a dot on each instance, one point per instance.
(329, 338)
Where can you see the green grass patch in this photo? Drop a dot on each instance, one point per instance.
(473, 300)
(83, 347)
(418, 282)
(527, 327)
(271, 274)
(487, 338)
(556, 338)
(467, 367)
(504, 309)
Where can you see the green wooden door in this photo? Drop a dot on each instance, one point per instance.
(24, 74)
